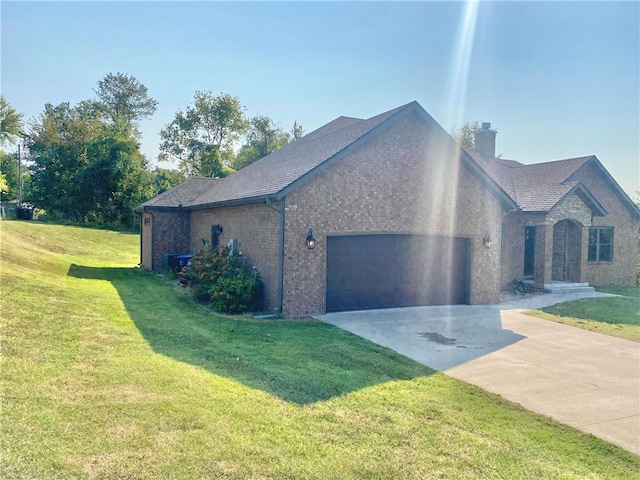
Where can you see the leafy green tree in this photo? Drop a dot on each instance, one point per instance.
(202, 138)
(4, 186)
(263, 137)
(164, 179)
(10, 122)
(9, 171)
(125, 97)
(116, 180)
(296, 131)
(465, 135)
(58, 142)
(86, 168)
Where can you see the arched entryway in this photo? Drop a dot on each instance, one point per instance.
(567, 245)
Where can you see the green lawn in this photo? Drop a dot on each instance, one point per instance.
(617, 316)
(109, 372)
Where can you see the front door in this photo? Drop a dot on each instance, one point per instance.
(529, 251)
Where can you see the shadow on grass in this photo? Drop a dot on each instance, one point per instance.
(298, 361)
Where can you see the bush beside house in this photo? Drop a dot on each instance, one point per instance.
(225, 280)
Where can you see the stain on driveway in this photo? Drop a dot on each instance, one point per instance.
(583, 379)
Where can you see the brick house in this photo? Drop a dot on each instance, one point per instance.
(401, 215)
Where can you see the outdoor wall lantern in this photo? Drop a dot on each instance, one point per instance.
(486, 240)
(311, 241)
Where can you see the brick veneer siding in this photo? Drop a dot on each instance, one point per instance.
(398, 182)
(622, 269)
(169, 234)
(513, 236)
(256, 228)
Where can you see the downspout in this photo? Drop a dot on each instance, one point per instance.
(280, 211)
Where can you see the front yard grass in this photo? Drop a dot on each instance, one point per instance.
(108, 372)
(616, 316)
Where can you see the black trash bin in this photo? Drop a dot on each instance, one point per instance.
(25, 213)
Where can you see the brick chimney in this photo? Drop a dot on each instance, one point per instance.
(485, 141)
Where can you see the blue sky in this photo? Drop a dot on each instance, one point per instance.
(556, 79)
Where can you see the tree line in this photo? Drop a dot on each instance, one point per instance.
(84, 164)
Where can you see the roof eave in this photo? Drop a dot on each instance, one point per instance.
(487, 181)
(590, 201)
(411, 108)
(615, 187)
(160, 208)
(235, 202)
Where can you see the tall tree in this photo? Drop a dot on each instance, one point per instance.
(296, 131)
(10, 122)
(465, 135)
(9, 170)
(126, 97)
(4, 186)
(115, 181)
(202, 139)
(58, 142)
(263, 137)
(85, 168)
(164, 179)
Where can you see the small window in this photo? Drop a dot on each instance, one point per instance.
(600, 244)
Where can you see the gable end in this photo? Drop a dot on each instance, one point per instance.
(612, 184)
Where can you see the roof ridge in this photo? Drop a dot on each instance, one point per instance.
(315, 134)
(584, 158)
(375, 120)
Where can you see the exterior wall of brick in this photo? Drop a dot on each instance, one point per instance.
(621, 270)
(255, 227)
(399, 182)
(513, 236)
(570, 240)
(169, 234)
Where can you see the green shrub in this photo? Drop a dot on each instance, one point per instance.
(223, 279)
(238, 293)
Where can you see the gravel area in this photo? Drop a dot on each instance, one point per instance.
(507, 297)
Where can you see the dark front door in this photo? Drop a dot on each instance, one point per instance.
(529, 251)
(391, 270)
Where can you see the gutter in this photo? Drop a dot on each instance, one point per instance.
(268, 203)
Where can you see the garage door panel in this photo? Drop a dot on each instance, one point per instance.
(382, 271)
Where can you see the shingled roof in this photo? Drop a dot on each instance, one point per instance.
(528, 188)
(181, 195)
(272, 174)
(276, 174)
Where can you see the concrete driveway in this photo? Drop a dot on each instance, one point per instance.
(583, 379)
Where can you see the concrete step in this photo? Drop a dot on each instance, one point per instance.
(567, 287)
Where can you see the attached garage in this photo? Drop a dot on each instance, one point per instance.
(396, 270)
